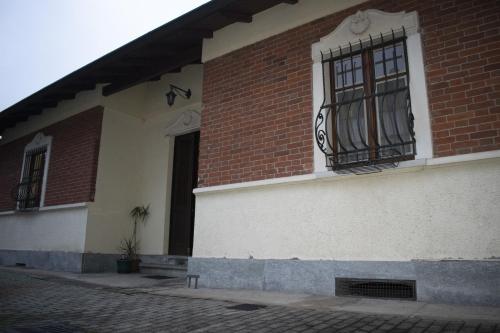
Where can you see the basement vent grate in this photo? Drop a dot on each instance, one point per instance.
(246, 307)
(376, 288)
(158, 277)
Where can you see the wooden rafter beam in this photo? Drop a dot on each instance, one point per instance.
(180, 60)
(46, 104)
(194, 33)
(36, 111)
(13, 119)
(145, 58)
(10, 120)
(132, 61)
(156, 50)
(77, 87)
(120, 71)
(59, 96)
(175, 70)
(107, 77)
(237, 16)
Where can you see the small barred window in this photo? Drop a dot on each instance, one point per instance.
(30, 188)
(29, 193)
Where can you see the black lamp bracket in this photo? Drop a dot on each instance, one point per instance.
(172, 93)
(187, 93)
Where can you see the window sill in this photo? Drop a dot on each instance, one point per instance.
(44, 209)
(405, 166)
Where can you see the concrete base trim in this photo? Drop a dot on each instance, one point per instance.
(99, 262)
(475, 282)
(60, 261)
(47, 260)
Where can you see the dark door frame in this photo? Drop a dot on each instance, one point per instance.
(179, 161)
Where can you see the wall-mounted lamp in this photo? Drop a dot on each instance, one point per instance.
(172, 93)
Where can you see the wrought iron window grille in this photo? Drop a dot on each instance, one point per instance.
(27, 193)
(365, 123)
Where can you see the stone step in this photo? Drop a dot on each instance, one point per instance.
(164, 269)
(178, 260)
(164, 259)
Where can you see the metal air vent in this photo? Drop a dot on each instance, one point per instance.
(376, 288)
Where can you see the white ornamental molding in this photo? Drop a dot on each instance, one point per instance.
(188, 121)
(359, 22)
(40, 140)
(362, 25)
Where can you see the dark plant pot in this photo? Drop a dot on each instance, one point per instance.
(123, 266)
(134, 265)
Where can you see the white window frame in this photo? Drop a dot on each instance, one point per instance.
(359, 27)
(39, 141)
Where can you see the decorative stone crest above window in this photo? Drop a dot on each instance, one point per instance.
(187, 122)
(40, 140)
(359, 22)
(359, 26)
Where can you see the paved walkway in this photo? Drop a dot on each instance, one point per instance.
(35, 303)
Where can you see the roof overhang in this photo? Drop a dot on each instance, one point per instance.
(164, 50)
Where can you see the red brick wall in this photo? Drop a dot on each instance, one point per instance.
(73, 160)
(462, 61)
(257, 116)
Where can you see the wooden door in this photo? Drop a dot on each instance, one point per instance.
(184, 180)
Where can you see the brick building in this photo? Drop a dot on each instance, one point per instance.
(333, 147)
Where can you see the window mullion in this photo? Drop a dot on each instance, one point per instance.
(333, 110)
(371, 110)
(39, 178)
(29, 191)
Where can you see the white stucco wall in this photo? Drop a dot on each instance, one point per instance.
(135, 163)
(117, 182)
(48, 230)
(418, 213)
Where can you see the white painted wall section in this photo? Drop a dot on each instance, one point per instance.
(434, 212)
(155, 189)
(135, 163)
(117, 185)
(51, 230)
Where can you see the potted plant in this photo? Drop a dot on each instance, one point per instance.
(129, 261)
(138, 214)
(128, 249)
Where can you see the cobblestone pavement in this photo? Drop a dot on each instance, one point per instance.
(44, 304)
